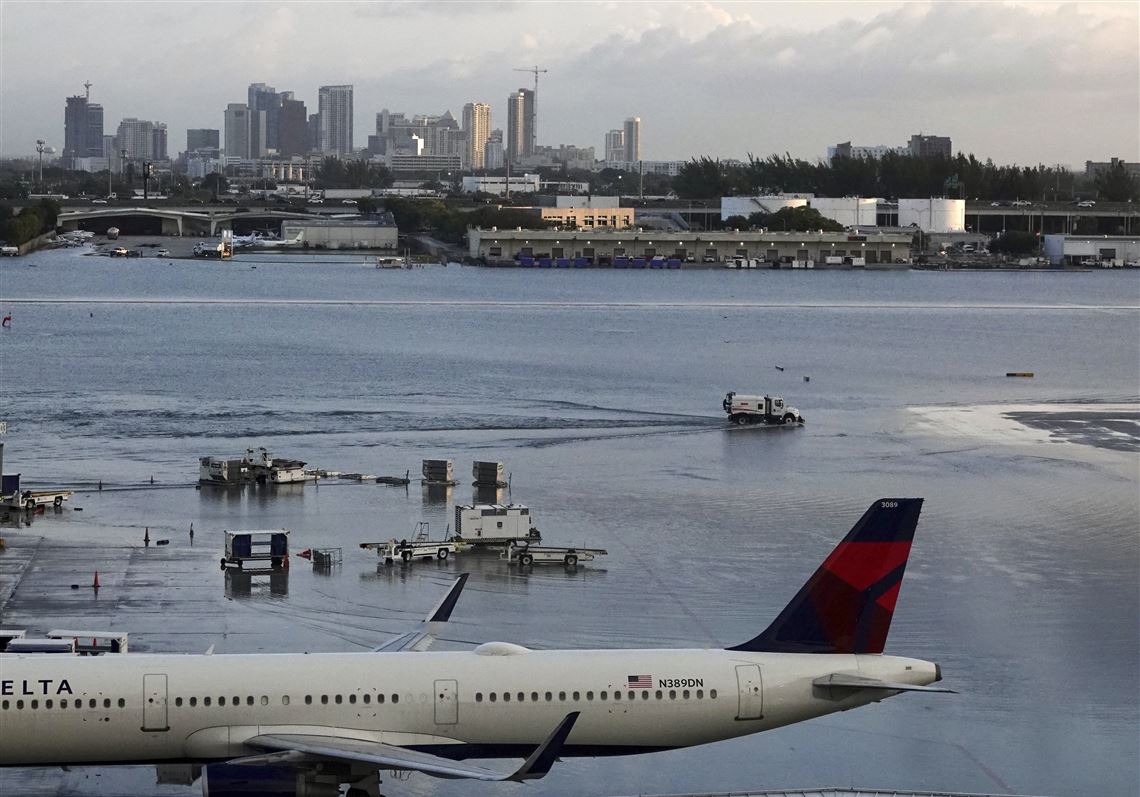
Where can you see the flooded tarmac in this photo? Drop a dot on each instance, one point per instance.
(601, 394)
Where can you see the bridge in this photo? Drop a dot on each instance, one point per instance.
(180, 221)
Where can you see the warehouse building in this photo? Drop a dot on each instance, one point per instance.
(1106, 251)
(609, 248)
(377, 232)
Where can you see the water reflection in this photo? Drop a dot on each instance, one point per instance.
(240, 584)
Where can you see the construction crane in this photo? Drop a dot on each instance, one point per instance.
(533, 105)
(88, 86)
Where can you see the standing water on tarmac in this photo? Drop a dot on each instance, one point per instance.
(601, 391)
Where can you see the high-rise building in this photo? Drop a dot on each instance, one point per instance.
(257, 133)
(136, 139)
(314, 132)
(615, 145)
(631, 134)
(237, 130)
(521, 122)
(293, 128)
(202, 138)
(158, 145)
(477, 125)
(266, 99)
(82, 130)
(493, 157)
(929, 146)
(334, 107)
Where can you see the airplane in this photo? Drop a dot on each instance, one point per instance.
(306, 724)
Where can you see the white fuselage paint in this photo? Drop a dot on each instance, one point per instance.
(135, 708)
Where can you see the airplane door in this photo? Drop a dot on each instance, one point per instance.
(154, 705)
(446, 703)
(751, 689)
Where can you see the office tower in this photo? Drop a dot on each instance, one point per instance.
(237, 130)
(334, 107)
(615, 145)
(477, 125)
(521, 121)
(257, 134)
(267, 100)
(293, 128)
(631, 132)
(202, 138)
(158, 145)
(82, 130)
(929, 146)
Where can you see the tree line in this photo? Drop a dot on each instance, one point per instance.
(894, 176)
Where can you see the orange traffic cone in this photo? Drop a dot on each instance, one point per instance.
(95, 583)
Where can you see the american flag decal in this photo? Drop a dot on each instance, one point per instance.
(639, 681)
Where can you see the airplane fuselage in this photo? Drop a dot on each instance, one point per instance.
(499, 700)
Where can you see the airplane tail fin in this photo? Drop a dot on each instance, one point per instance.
(846, 606)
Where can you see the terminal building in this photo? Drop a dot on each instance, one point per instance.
(608, 247)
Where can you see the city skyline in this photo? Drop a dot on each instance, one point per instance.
(998, 79)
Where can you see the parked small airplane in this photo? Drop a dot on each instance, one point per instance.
(304, 724)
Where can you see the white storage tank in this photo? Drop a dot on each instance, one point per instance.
(848, 211)
(747, 205)
(933, 215)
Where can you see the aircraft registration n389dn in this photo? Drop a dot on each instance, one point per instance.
(305, 724)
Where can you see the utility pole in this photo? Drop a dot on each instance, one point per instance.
(533, 106)
(41, 145)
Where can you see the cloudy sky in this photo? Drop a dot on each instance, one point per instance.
(1017, 82)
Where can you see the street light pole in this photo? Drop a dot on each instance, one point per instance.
(41, 145)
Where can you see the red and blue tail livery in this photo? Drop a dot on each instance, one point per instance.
(846, 606)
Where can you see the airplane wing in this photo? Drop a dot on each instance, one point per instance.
(303, 748)
(422, 637)
(852, 681)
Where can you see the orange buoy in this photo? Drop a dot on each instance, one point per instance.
(95, 583)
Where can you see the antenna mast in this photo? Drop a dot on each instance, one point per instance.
(87, 86)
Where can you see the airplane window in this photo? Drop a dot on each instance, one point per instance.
(534, 696)
(352, 699)
(685, 694)
(367, 698)
(700, 693)
(506, 697)
(284, 700)
(62, 703)
(672, 694)
(222, 700)
(237, 701)
(712, 694)
(493, 697)
(589, 695)
(308, 700)
(522, 696)
(324, 700)
(561, 695)
(106, 702)
(47, 704)
(379, 698)
(644, 695)
(549, 697)
(577, 696)
(206, 701)
(19, 704)
(338, 699)
(4, 705)
(659, 695)
(178, 701)
(617, 694)
(92, 703)
(602, 695)
(395, 698)
(264, 700)
(35, 704)
(478, 697)
(193, 701)
(249, 700)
